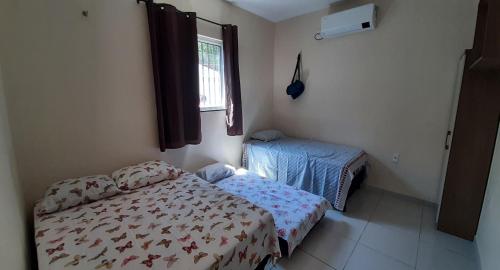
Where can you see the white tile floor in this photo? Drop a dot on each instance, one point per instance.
(382, 231)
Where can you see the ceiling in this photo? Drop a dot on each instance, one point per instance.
(280, 10)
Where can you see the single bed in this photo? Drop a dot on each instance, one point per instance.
(185, 223)
(329, 170)
(295, 211)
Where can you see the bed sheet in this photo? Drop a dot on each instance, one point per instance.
(323, 169)
(295, 211)
(180, 224)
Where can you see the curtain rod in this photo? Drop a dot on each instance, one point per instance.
(199, 18)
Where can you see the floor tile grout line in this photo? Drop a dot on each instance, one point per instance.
(370, 217)
(320, 260)
(379, 251)
(387, 255)
(446, 248)
(357, 241)
(364, 229)
(458, 253)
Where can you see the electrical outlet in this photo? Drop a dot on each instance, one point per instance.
(395, 158)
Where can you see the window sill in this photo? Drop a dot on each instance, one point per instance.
(212, 110)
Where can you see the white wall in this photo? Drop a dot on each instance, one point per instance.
(80, 90)
(12, 223)
(488, 234)
(387, 91)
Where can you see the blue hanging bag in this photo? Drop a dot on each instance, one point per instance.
(296, 87)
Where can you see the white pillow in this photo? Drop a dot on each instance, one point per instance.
(72, 192)
(144, 174)
(268, 135)
(215, 172)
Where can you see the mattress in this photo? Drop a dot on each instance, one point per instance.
(323, 169)
(181, 224)
(295, 211)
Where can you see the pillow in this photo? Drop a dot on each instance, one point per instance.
(144, 174)
(268, 135)
(72, 192)
(215, 172)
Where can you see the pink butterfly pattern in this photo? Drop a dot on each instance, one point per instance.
(295, 211)
(137, 230)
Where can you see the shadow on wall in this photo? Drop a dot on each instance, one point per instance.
(99, 115)
(15, 236)
(378, 170)
(344, 5)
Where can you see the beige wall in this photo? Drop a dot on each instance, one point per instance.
(12, 225)
(81, 98)
(387, 91)
(488, 234)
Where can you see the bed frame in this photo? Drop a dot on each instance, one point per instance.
(263, 263)
(356, 182)
(355, 185)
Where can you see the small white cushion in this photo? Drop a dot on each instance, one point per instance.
(72, 192)
(215, 172)
(268, 135)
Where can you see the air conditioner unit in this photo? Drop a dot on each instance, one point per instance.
(362, 18)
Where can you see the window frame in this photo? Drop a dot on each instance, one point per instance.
(216, 42)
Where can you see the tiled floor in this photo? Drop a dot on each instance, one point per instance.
(382, 231)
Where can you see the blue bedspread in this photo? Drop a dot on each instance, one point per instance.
(323, 169)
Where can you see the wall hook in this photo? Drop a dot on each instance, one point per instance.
(85, 13)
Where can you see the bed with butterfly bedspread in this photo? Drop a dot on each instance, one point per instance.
(295, 211)
(184, 223)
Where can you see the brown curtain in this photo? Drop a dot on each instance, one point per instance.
(174, 50)
(234, 115)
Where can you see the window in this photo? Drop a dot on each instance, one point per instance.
(211, 70)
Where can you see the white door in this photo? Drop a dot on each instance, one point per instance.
(451, 127)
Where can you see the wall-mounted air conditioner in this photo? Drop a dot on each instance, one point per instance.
(362, 18)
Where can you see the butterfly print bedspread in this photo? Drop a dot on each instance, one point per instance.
(185, 223)
(295, 211)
